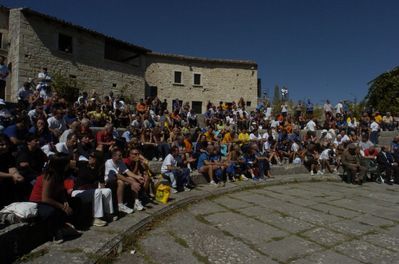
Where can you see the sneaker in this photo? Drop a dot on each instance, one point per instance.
(125, 209)
(99, 222)
(311, 172)
(160, 159)
(243, 177)
(187, 189)
(174, 190)
(320, 173)
(58, 237)
(213, 183)
(138, 206)
(255, 179)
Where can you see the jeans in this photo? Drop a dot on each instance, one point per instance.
(179, 178)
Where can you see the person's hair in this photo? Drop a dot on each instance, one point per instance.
(57, 168)
(115, 151)
(173, 149)
(4, 138)
(31, 137)
(70, 135)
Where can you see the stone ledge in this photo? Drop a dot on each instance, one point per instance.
(99, 244)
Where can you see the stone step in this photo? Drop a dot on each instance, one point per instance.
(198, 178)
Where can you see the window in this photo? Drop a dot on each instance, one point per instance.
(114, 85)
(64, 43)
(197, 79)
(196, 106)
(248, 103)
(178, 79)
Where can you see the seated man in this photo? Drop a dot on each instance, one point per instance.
(206, 166)
(30, 160)
(256, 165)
(351, 163)
(137, 164)
(387, 165)
(179, 177)
(116, 173)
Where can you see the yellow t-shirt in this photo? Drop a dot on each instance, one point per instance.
(243, 137)
(227, 138)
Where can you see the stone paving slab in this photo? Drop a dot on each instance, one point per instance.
(326, 257)
(368, 253)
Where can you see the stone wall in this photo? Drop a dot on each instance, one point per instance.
(34, 45)
(221, 81)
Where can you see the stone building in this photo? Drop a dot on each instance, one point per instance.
(197, 80)
(31, 40)
(98, 61)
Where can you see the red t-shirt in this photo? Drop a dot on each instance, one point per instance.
(368, 153)
(103, 136)
(36, 194)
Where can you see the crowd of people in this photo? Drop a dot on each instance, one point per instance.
(53, 153)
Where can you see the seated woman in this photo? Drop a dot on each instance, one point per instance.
(50, 194)
(90, 187)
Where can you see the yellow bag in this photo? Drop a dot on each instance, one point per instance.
(163, 193)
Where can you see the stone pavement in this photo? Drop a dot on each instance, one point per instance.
(101, 244)
(307, 222)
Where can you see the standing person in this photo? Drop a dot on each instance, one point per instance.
(3, 75)
(374, 132)
(309, 109)
(327, 108)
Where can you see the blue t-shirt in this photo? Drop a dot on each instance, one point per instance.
(202, 158)
(11, 131)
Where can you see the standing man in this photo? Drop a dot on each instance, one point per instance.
(3, 75)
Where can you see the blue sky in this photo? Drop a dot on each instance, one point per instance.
(319, 49)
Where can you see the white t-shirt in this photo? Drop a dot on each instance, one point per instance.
(311, 126)
(114, 168)
(344, 139)
(324, 155)
(54, 123)
(253, 137)
(168, 161)
(338, 108)
(268, 113)
(375, 127)
(294, 147)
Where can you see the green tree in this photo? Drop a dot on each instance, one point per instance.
(383, 94)
(67, 88)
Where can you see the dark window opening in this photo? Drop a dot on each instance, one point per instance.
(114, 85)
(1, 40)
(65, 43)
(72, 76)
(196, 106)
(120, 53)
(248, 103)
(178, 76)
(197, 79)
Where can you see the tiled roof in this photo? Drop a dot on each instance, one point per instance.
(199, 59)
